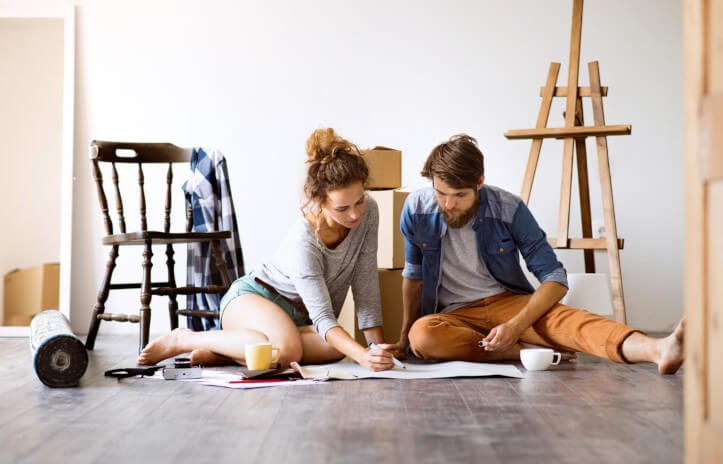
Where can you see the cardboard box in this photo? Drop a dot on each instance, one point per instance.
(390, 287)
(390, 253)
(29, 291)
(347, 320)
(385, 167)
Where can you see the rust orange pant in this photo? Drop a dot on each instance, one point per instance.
(454, 335)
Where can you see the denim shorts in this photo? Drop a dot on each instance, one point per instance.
(247, 284)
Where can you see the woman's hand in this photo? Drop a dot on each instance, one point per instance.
(378, 358)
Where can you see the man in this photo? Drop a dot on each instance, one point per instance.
(463, 282)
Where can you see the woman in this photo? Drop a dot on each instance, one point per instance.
(293, 300)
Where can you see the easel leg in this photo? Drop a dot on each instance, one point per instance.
(616, 278)
(611, 232)
(584, 188)
(563, 225)
(565, 192)
(542, 117)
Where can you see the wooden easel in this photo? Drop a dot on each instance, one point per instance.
(574, 134)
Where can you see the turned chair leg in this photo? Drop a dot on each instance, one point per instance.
(172, 303)
(102, 298)
(145, 311)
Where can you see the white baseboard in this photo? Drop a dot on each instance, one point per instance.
(15, 331)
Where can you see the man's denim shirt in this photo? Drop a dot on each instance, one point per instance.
(503, 226)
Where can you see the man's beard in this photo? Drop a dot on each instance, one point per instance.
(455, 222)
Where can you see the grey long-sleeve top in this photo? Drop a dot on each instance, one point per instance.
(305, 270)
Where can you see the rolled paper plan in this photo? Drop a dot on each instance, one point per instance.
(59, 357)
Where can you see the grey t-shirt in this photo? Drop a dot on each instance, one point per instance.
(465, 278)
(305, 270)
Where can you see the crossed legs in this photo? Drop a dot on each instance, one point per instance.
(248, 318)
(454, 335)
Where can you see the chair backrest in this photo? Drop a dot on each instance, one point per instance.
(139, 153)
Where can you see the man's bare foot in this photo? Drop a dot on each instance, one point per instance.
(164, 347)
(671, 353)
(209, 358)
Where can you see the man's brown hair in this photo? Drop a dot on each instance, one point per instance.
(457, 162)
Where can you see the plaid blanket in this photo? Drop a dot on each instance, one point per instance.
(208, 191)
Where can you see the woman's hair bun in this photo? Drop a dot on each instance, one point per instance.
(333, 163)
(324, 144)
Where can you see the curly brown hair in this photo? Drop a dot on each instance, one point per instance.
(334, 163)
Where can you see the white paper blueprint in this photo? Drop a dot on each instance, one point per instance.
(349, 371)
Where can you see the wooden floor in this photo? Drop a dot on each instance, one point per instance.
(589, 411)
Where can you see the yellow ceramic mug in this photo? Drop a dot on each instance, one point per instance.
(258, 356)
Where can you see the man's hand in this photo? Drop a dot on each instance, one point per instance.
(502, 337)
(399, 349)
(507, 334)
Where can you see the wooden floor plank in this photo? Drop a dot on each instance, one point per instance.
(587, 411)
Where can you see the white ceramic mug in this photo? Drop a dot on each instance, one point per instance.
(539, 359)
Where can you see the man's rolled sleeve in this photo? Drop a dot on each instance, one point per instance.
(559, 275)
(412, 271)
(536, 251)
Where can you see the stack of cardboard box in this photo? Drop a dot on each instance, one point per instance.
(385, 177)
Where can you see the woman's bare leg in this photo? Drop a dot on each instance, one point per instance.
(231, 343)
(317, 350)
(209, 358)
(247, 319)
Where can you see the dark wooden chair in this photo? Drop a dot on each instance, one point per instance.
(146, 153)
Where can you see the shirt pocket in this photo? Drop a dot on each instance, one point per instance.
(502, 246)
(429, 242)
(431, 249)
(502, 258)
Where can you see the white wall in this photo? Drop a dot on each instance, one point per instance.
(255, 78)
(31, 92)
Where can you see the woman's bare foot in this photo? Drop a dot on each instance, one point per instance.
(209, 358)
(164, 347)
(671, 353)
